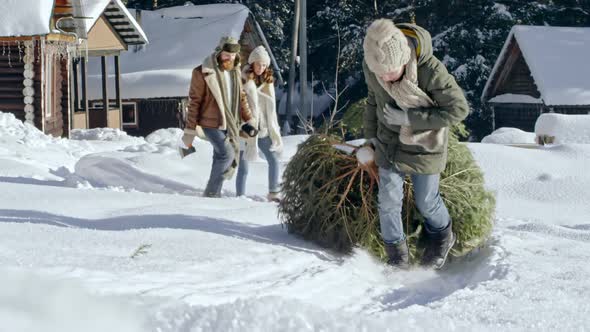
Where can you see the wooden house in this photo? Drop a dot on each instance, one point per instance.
(34, 62)
(540, 69)
(155, 78)
(112, 33)
(41, 43)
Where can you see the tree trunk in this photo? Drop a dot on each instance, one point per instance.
(292, 71)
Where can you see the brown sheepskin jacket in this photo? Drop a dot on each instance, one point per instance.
(205, 96)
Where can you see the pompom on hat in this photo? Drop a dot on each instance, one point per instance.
(386, 47)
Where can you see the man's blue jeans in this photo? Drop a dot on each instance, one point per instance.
(427, 199)
(223, 156)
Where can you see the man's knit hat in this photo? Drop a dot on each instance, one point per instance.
(386, 47)
(229, 44)
(259, 54)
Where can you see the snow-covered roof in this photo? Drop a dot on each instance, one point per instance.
(180, 39)
(558, 60)
(91, 9)
(126, 26)
(32, 18)
(25, 17)
(515, 98)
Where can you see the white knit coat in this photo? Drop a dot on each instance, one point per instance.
(262, 103)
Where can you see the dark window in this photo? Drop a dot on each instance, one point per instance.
(129, 110)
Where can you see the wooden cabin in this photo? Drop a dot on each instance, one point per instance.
(112, 33)
(155, 78)
(34, 64)
(540, 69)
(39, 58)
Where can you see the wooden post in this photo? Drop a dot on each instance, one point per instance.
(118, 90)
(75, 83)
(493, 118)
(303, 108)
(85, 92)
(68, 112)
(105, 91)
(292, 71)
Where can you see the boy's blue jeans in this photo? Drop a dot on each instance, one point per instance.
(427, 199)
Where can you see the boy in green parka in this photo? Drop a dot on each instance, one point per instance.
(412, 102)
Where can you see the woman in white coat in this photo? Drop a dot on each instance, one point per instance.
(258, 84)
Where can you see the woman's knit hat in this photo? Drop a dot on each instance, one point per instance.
(259, 54)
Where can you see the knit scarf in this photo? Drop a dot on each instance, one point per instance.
(231, 109)
(408, 95)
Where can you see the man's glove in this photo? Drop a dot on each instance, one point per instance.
(395, 116)
(187, 140)
(186, 145)
(185, 152)
(249, 130)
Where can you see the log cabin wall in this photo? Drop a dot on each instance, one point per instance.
(11, 80)
(37, 97)
(13, 75)
(248, 41)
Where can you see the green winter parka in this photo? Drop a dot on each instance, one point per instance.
(452, 108)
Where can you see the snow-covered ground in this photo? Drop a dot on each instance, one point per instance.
(109, 233)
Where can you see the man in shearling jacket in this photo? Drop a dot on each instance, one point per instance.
(219, 107)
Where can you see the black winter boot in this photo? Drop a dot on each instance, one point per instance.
(438, 247)
(398, 255)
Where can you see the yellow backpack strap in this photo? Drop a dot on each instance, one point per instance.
(412, 34)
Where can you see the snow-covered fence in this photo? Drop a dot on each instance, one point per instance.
(509, 136)
(553, 128)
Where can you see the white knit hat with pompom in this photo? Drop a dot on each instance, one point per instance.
(259, 54)
(386, 47)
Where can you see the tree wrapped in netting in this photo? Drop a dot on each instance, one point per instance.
(330, 199)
